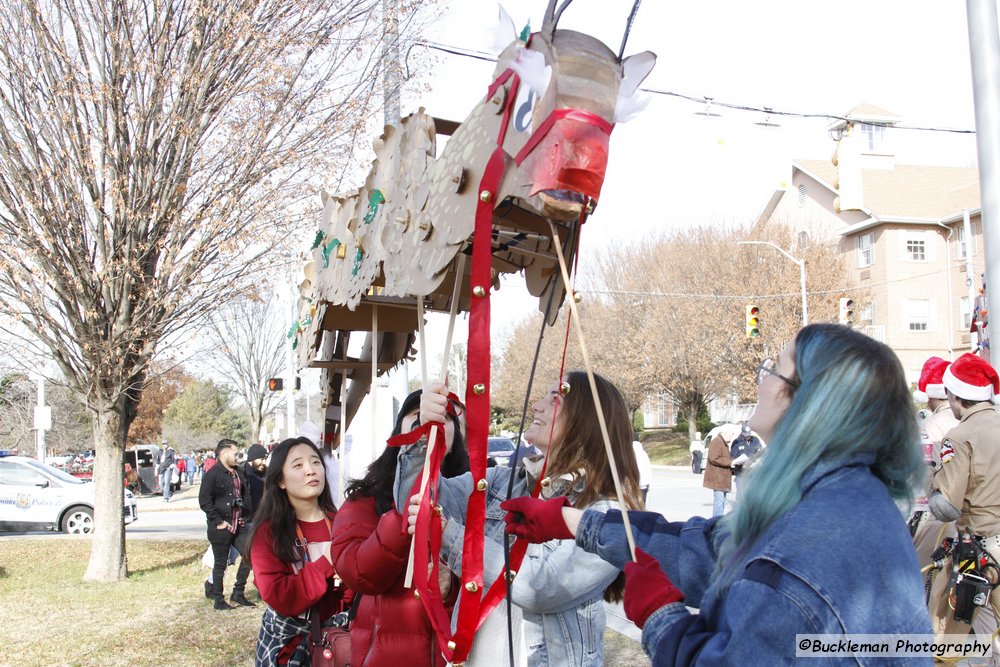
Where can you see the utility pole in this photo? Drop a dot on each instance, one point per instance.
(43, 420)
(290, 369)
(984, 48)
(390, 63)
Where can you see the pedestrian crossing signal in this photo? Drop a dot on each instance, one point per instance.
(275, 384)
(752, 320)
(847, 311)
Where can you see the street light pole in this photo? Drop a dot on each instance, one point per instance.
(802, 273)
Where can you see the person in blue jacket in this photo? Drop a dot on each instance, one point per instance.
(818, 543)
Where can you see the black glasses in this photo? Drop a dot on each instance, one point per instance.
(766, 367)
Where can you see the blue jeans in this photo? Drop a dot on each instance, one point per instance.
(718, 503)
(165, 484)
(190, 476)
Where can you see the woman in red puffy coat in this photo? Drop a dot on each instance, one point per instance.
(370, 550)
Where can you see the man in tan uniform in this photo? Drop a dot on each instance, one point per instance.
(966, 489)
(930, 390)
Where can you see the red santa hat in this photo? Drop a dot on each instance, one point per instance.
(972, 378)
(930, 384)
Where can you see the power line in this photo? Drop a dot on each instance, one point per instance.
(482, 55)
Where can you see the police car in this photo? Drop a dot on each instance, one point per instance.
(37, 496)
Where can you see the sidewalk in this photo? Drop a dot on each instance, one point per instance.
(185, 499)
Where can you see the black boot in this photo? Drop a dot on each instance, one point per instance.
(240, 599)
(208, 589)
(220, 599)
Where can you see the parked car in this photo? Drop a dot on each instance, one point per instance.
(499, 450)
(698, 463)
(37, 496)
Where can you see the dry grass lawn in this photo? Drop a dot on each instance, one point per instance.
(158, 617)
(667, 448)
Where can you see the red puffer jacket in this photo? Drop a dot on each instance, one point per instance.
(369, 553)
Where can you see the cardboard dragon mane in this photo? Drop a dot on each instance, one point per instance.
(518, 176)
(549, 110)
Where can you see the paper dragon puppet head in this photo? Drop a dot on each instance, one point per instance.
(573, 89)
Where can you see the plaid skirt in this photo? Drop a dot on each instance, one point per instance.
(283, 640)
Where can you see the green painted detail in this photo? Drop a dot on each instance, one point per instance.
(320, 235)
(525, 32)
(327, 249)
(358, 256)
(375, 199)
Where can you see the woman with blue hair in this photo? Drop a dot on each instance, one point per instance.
(817, 545)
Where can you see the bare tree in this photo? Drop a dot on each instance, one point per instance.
(247, 348)
(668, 314)
(152, 153)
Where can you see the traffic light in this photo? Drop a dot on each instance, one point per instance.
(275, 384)
(752, 320)
(846, 311)
(298, 383)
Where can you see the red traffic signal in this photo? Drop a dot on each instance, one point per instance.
(752, 320)
(275, 384)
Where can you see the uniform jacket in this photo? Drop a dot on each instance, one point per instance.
(740, 445)
(718, 472)
(216, 496)
(970, 479)
(369, 553)
(559, 586)
(839, 562)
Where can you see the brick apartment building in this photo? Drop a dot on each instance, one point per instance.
(901, 231)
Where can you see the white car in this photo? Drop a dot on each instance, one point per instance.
(36, 496)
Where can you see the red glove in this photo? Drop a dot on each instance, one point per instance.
(647, 588)
(536, 520)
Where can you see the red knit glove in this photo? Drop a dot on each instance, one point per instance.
(536, 520)
(647, 588)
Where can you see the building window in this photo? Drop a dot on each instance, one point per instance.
(964, 314)
(874, 135)
(916, 246)
(964, 247)
(866, 250)
(916, 313)
(663, 414)
(867, 314)
(802, 196)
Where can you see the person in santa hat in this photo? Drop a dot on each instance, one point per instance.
(966, 488)
(928, 530)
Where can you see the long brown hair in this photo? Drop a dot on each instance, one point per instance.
(581, 448)
(277, 511)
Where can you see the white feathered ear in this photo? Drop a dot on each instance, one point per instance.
(635, 69)
(504, 32)
(531, 68)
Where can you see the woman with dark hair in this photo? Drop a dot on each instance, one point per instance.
(816, 545)
(290, 551)
(560, 589)
(370, 550)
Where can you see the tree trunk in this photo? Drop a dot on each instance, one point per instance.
(108, 561)
(692, 417)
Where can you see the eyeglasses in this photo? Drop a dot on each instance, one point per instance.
(766, 367)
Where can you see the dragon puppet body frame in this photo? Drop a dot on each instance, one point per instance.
(518, 176)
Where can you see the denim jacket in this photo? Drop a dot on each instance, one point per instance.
(839, 562)
(559, 586)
